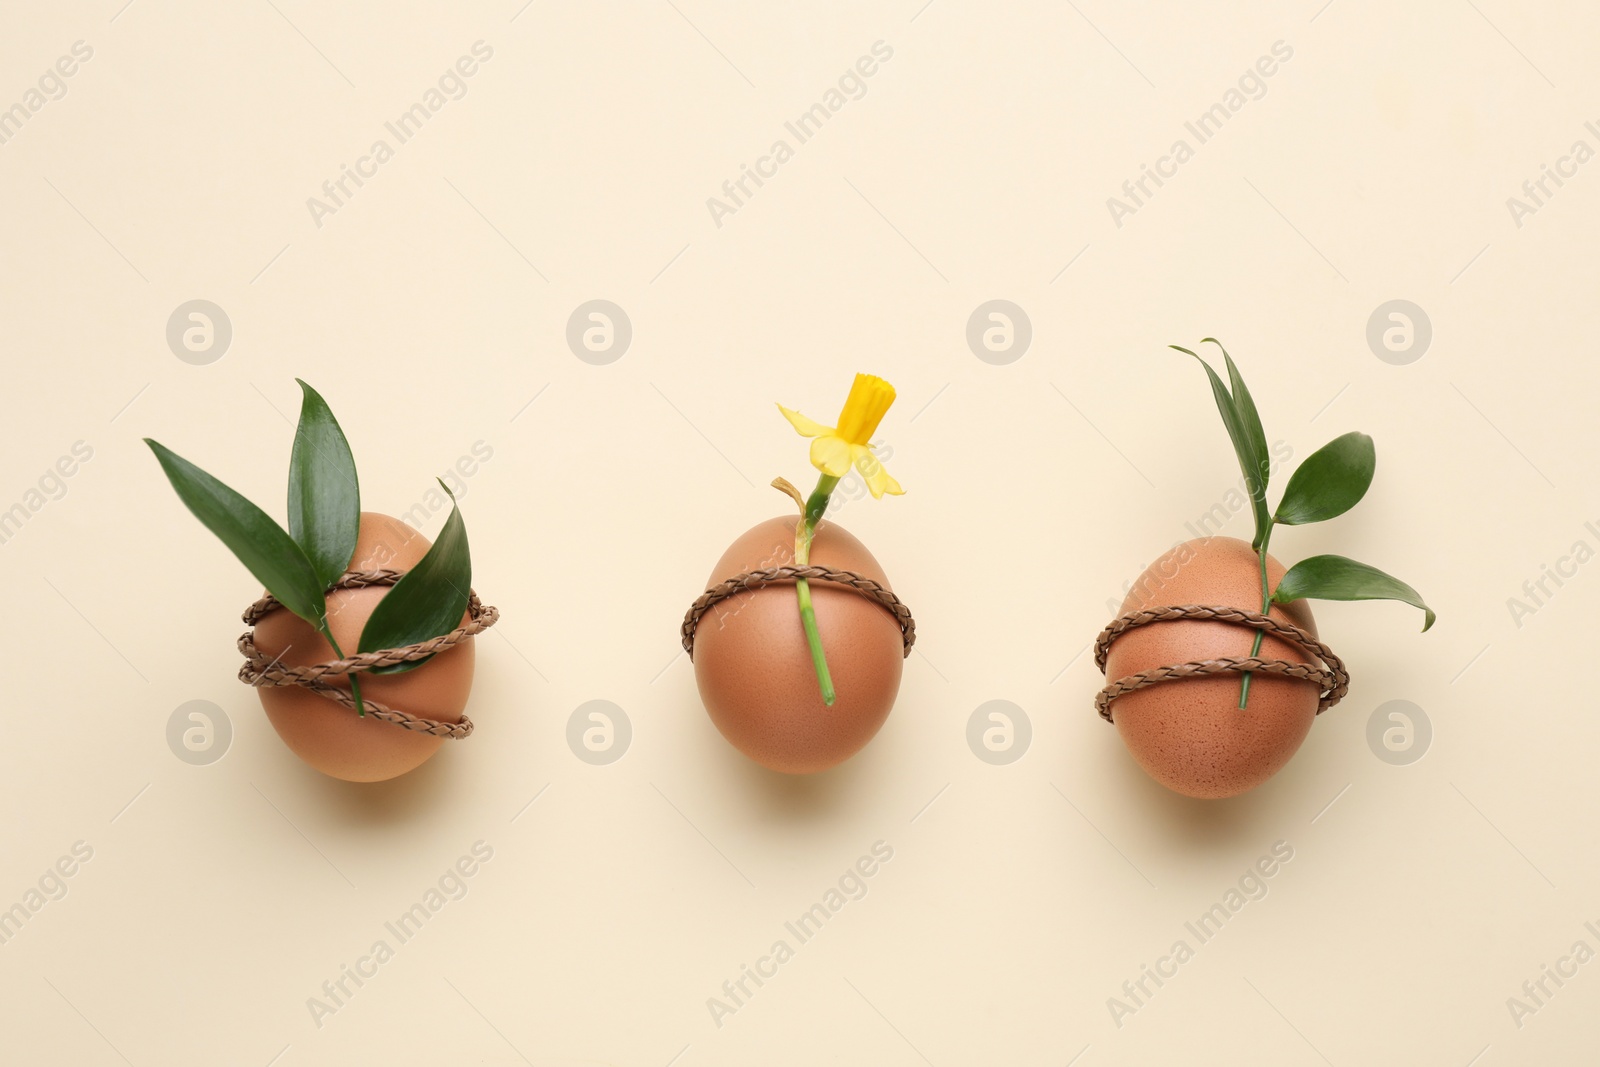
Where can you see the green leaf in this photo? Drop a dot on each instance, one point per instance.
(261, 544)
(1330, 482)
(324, 495)
(1338, 578)
(1251, 420)
(429, 599)
(1248, 415)
(1244, 446)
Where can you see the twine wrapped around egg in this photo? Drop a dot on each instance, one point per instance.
(749, 580)
(1331, 679)
(260, 671)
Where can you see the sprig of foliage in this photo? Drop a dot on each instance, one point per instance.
(300, 565)
(1330, 482)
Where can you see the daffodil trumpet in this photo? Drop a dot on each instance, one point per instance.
(834, 450)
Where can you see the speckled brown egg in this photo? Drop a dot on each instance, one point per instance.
(753, 665)
(331, 738)
(1191, 735)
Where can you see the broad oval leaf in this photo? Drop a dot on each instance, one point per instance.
(324, 494)
(1330, 482)
(250, 533)
(1244, 446)
(1339, 578)
(429, 599)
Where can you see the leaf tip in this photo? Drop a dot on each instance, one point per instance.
(1364, 439)
(309, 396)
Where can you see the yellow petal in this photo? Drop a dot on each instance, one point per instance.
(831, 455)
(878, 480)
(869, 399)
(806, 427)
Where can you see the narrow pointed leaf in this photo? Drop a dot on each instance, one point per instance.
(1338, 578)
(1243, 446)
(429, 600)
(1248, 416)
(1330, 482)
(1250, 420)
(324, 495)
(261, 544)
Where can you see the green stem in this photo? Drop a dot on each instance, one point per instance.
(1266, 605)
(355, 683)
(815, 506)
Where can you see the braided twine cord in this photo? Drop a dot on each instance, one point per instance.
(749, 580)
(1331, 679)
(258, 670)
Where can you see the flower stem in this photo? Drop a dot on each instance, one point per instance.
(1266, 605)
(815, 506)
(355, 683)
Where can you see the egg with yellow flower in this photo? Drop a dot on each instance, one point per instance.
(800, 674)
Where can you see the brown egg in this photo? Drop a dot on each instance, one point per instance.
(331, 738)
(1190, 735)
(753, 665)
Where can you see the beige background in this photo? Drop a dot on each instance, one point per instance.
(431, 309)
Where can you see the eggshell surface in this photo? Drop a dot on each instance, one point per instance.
(1190, 735)
(334, 739)
(753, 665)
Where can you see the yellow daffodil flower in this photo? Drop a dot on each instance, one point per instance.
(835, 449)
